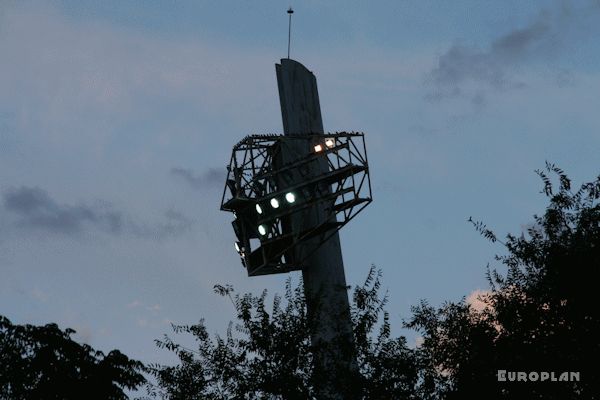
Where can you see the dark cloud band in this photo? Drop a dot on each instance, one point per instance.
(33, 208)
(491, 68)
(211, 177)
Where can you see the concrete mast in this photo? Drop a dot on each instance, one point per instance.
(323, 270)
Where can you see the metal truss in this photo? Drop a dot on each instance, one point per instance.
(327, 177)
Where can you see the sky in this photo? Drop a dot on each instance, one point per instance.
(117, 120)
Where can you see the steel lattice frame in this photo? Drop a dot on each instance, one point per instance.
(262, 167)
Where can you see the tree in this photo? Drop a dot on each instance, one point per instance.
(43, 362)
(269, 355)
(541, 316)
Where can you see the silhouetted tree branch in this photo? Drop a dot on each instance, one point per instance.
(539, 314)
(43, 362)
(268, 354)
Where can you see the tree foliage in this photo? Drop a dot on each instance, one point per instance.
(541, 315)
(43, 362)
(268, 355)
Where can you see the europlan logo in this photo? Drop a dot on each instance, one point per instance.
(535, 376)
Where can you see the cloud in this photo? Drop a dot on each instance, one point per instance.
(565, 78)
(419, 340)
(134, 304)
(462, 66)
(137, 304)
(516, 44)
(142, 322)
(174, 224)
(77, 81)
(154, 308)
(35, 209)
(39, 295)
(83, 334)
(479, 300)
(211, 177)
(481, 303)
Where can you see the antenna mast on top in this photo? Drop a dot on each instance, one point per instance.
(290, 12)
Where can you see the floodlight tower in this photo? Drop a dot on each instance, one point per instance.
(290, 195)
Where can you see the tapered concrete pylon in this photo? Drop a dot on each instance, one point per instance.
(323, 270)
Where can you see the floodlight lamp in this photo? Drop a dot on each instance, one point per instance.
(262, 230)
(274, 203)
(329, 143)
(237, 247)
(318, 148)
(290, 197)
(258, 209)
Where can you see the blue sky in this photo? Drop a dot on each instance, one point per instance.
(102, 103)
